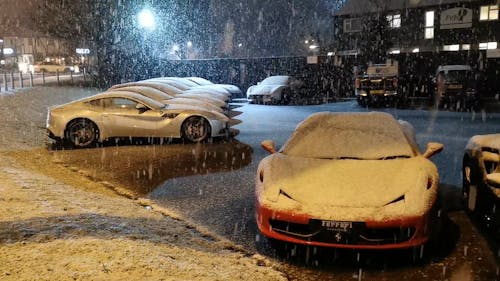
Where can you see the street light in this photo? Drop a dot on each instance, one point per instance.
(146, 19)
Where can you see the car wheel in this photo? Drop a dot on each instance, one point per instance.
(195, 129)
(469, 186)
(82, 133)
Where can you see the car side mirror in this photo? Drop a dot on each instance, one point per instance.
(268, 145)
(433, 148)
(141, 107)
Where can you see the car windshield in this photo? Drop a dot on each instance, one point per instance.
(349, 136)
(458, 76)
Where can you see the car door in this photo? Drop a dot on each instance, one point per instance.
(122, 118)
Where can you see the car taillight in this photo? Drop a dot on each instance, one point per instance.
(395, 82)
(357, 83)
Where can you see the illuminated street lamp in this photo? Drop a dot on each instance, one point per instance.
(146, 19)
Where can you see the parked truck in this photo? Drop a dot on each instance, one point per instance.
(378, 85)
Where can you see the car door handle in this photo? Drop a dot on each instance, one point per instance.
(105, 115)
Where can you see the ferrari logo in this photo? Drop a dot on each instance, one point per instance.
(338, 236)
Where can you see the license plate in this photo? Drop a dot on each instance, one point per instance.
(377, 92)
(342, 226)
(454, 86)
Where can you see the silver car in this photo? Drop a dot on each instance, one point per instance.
(113, 114)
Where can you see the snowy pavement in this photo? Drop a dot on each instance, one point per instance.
(59, 223)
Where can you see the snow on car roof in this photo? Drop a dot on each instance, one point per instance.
(146, 91)
(372, 135)
(200, 80)
(166, 88)
(276, 80)
(479, 141)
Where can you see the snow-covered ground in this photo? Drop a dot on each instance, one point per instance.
(57, 223)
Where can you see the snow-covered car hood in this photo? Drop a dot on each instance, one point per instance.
(349, 189)
(263, 90)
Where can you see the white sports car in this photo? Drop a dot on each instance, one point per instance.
(126, 114)
(175, 92)
(188, 86)
(274, 90)
(234, 90)
(348, 180)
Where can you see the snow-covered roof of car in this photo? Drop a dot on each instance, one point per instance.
(146, 91)
(166, 88)
(480, 141)
(373, 135)
(276, 80)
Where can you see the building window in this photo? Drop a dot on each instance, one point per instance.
(488, 12)
(465, 47)
(394, 51)
(394, 21)
(452, 48)
(429, 25)
(487, 46)
(352, 25)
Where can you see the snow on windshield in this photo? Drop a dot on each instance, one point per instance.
(275, 80)
(371, 135)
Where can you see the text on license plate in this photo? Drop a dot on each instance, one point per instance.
(337, 225)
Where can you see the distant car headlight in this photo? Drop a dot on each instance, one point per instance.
(71, 68)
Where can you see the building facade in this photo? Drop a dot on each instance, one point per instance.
(421, 35)
(20, 42)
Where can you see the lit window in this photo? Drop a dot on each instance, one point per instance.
(488, 12)
(466, 47)
(416, 50)
(352, 25)
(487, 45)
(394, 20)
(429, 25)
(452, 48)
(429, 32)
(429, 19)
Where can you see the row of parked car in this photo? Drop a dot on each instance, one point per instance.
(360, 181)
(191, 108)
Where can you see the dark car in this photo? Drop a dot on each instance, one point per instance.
(378, 85)
(456, 88)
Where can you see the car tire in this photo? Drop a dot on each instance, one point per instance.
(82, 133)
(195, 129)
(469, 184)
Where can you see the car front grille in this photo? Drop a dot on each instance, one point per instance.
(359, 234)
